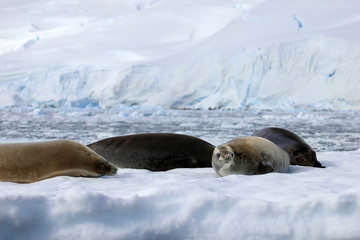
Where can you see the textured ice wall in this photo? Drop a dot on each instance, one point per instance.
(274, 55)
(316, 73)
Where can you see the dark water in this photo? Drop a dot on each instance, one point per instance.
(324, 131)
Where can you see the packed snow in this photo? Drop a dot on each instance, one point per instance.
(305, 203)
(88, 70)
(236, 54)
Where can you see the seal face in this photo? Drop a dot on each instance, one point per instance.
(249, 156)
(155, 151)
(35, 161)
(299, 151)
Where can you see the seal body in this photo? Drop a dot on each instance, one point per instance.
(299, 151)
(155, 151)
(30, 162)
(249, 156)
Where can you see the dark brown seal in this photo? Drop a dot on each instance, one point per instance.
(299, 151)
(35, 161)
(155, 151)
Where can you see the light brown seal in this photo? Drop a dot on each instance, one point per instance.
(299, 151)
(35, 161)
(155, 151)
(249, 155)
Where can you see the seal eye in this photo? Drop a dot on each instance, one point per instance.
(218, 155)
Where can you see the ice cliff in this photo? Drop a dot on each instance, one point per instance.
(176, 54)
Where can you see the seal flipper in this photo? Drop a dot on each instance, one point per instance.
(264, 167)
(186, 162)
(318, 164)
(171, 163)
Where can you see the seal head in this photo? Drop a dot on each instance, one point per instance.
(223, 160)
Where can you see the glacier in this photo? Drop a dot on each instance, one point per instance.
(182, 55)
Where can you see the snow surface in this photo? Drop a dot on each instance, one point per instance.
(305, 203)
(256, 54)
